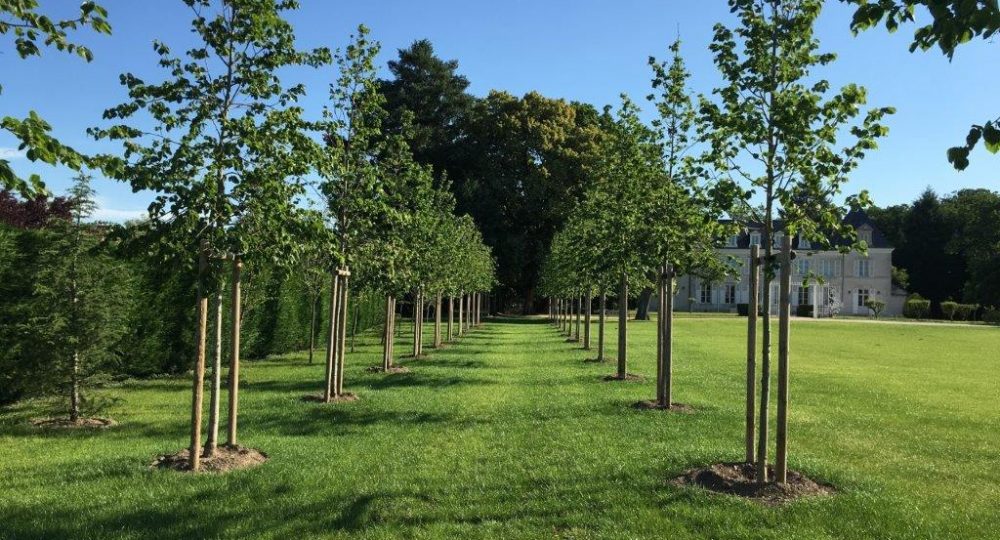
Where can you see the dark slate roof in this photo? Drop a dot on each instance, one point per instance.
(856, 218)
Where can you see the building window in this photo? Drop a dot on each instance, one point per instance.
(755, 239)
(803, 296)
(732, 241)
(730, 294)
(804, 243)
(777, 239)
(828, 296)
(706, 293)
(864, 268)
(829, 267)
(802, 266)
(862, 297)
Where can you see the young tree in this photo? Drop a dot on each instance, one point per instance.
(775, 130)
(687, 207)
(31, 31)
(226, 136)
(80, 304)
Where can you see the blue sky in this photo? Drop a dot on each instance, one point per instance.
(585, 50)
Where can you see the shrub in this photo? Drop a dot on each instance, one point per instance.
(991, 315)
(743, 310)
(876, 306)
(804, 310)
(949, 308)
(966, 312)
(916, 307)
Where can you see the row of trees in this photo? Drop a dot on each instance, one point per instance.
(769, 142)
(232, 161)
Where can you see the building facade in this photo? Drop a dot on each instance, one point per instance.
(841, 283)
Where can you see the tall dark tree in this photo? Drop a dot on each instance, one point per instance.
(934, 272)
(974, 217)
(427, 99)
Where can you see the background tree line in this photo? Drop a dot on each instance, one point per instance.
(947, 248)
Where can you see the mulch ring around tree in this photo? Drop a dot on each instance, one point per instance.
(629, 377)
(342, 398)
(652, 404)
(66, 423)
(391, 370)
(226, 458)
(740, 479)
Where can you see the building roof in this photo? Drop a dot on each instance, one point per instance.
(856, 218)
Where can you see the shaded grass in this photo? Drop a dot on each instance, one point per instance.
(509, 433)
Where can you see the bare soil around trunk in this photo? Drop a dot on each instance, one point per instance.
(740, 479)
(343, 398)
(390, 371)
(629, 377)
(66, 423)
(226, 458)
(652, 405)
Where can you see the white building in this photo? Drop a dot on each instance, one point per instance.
(848, 280)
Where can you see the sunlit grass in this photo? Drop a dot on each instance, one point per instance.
(509, 433)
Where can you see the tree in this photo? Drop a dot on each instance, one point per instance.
(775, 130)
(973, 217)
(684, 206)
(80, 305)
(427, 102)
(31, 31)
(226, 136)
(351, 183)
(953, 22)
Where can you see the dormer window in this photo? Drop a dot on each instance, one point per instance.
(755, 239)
(865, 235)
(804, 242)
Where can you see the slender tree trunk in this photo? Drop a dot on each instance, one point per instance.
(623, 326)
(660, 315)
(437, 321)
(417, 313)
(342, 324)
(667, 321)
(387, 335)
(354, 327)
(765, 374)
(213, 409)
(74, 396)
(579, 322)
(753, 305)
(461, 318)
(451, 316)
(642, 304)
(198, 394)
(331, 344)
(586, 322)
(784, 326)
(600, 326)
(234, 352)
(312, 327)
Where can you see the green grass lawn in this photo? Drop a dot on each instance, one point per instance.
(510, 434)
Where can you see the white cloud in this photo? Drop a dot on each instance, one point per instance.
(10, 153)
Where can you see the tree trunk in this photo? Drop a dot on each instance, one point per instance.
(660, 313)
(74, 395)
(342, 324)
(579, 308)
(461, 318)
(600, 327)
(666, 320)
(753, 306)
(437, 321)
(387, 335)
(784, 326)
(234, 353)
(642, 304)
(213, 410)
(586, 321)
(332, 339)
(312, 327)
(198, 391)
(451, 316)
(418, 311)
(765, 371)
(354, 327)
(622, 326)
